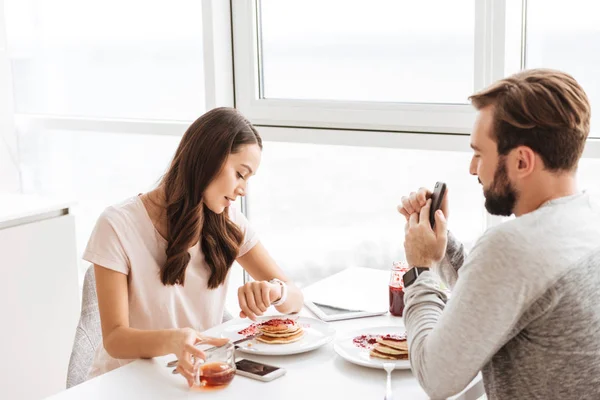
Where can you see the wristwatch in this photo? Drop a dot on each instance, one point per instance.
(412, 274)
(283, 297)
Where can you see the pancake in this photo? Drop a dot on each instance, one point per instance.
(280, 340)
(389, 350)
(394, 344)
(278, 325)
(377, 354)
(390, 347)
(283, 334)
(288, 329)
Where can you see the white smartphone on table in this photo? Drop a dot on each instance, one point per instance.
(257, 370)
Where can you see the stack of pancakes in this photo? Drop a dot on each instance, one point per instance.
(280, 331)
(390, 349)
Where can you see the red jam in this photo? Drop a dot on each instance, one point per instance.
(278, 321)
(368, 341)
(396, 301)
(252, 329)
(394, 338)
(249, 331)
(396, 288)
(365, 341)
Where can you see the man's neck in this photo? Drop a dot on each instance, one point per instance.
(537, 195)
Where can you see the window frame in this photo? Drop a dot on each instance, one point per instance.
(379, 116)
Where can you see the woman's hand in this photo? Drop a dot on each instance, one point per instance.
(256, 297)
(183, 345)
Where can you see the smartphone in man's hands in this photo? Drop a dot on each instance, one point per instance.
(439, 191)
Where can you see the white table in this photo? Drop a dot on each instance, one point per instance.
(314, 375)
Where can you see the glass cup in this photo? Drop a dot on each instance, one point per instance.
(218, 370)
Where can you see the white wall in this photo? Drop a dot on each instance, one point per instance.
(9, 168)
(40, 306)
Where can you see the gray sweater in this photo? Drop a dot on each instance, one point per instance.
(524, 309)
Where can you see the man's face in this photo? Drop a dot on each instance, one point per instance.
(490, 168)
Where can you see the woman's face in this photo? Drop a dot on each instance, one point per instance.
(231, 181)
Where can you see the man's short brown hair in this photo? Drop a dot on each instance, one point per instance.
(543, 109)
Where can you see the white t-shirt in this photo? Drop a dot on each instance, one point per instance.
(125, 240)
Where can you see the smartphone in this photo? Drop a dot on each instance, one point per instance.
(436, 200)
(259, 371)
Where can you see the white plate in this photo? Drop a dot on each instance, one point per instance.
(316, 334)
(346, 348)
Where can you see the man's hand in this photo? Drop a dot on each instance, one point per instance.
(424, 246)
(416, 200)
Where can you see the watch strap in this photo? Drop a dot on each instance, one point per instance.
(283, 297)
(412, 274)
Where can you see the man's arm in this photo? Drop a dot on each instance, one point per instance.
(454, 259)
(447, 349)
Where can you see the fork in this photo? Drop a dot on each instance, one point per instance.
(389, 367)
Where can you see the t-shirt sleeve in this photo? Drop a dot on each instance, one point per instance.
(105, 247)
(250, 236)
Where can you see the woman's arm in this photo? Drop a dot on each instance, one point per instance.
(121, 341)
(256, 297)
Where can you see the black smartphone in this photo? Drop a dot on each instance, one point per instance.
(257, 370)
(436, 200)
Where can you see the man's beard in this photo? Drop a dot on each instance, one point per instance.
(501, 196)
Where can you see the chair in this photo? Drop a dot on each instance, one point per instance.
(89, 332)
(88, 335)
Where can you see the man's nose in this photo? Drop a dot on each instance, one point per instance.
(473, 167)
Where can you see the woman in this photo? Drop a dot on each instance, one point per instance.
(162, 259)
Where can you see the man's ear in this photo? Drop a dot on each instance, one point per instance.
(526, 160)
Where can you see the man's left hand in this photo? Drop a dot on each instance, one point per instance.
(423, 245)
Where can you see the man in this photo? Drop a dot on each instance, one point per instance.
(524, 305)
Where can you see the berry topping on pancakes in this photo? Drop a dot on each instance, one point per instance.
(275, 331)
(277, 322)
(249, 331)
(391, 347)
(395, 338)
(365, 341)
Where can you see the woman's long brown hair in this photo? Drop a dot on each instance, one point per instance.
(198, 160)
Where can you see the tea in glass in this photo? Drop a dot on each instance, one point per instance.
(218, 368)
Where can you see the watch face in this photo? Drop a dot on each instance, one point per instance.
(409, 277)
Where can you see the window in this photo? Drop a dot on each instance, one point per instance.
(322, 208)
(388, 51)
(103, 91)
(109, 58)
(382, 65)
(566, 36)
